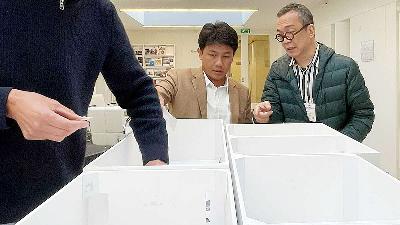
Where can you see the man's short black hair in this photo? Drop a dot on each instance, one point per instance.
(218, 33)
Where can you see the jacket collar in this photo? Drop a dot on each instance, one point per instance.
(198, 81)
(209, 82)
(283, 64)
(199, 87)
(285, 71)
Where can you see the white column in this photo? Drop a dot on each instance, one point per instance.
(244, 71)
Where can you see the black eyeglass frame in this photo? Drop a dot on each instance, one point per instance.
(289, 35)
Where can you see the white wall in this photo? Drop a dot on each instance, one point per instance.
(339, 10)
(326, 34)
(276, 49)
(377, 21)
(342, 37)
(185, 54)
(380, 76)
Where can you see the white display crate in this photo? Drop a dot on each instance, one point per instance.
(192, 142)
(313, 189)
(151, 197)
(294, 138)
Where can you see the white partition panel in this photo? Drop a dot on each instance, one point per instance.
(151, 197)
(300, 138)
(191, 142)
(283, 129)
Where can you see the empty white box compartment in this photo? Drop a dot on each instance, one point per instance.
(254, 146)
(191, 142)
(313, 189)
(292, 138)
(151, 197)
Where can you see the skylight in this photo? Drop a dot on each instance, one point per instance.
(188, 17)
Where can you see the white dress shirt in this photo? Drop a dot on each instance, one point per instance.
(218, 101)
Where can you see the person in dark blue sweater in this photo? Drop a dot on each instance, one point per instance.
(51, 52)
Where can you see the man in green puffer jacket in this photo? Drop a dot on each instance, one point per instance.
(312, 83)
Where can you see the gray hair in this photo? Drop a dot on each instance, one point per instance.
(305, 15)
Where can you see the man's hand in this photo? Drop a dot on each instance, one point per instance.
(262, 112)
(155, 163)
(42, 118)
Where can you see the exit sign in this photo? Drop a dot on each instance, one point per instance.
(245, 30)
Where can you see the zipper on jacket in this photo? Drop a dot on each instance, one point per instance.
(62, 4)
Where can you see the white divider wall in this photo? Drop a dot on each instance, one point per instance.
(275, 188)
(301, 138)
(198, 139)
(152, 197)
(259, 146)
(283, 129)
(191, 142)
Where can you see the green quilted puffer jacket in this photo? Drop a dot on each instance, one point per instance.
(339, 92)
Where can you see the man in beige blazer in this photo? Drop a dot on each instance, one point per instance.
(208, 92)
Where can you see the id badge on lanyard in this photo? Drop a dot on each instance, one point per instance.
(311, 114)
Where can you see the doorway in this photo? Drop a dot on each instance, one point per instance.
(258, 64)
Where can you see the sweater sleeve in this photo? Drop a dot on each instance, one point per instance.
(4, 91)
(360, 107)
(134, 91)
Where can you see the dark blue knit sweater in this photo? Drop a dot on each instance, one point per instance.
(59, 54)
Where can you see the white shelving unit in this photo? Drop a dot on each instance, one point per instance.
(156, 59)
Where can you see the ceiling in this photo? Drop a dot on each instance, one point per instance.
(263, 19)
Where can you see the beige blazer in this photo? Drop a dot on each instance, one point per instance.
(185, 92)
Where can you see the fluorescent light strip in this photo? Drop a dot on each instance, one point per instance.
(189, 10)
(170, 26)
(177, 26)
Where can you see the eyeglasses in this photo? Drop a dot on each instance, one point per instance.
(289, 35)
